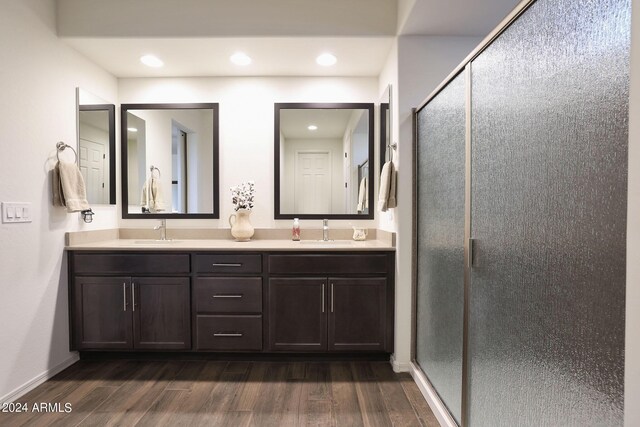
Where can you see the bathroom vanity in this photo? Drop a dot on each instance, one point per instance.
(206, 296)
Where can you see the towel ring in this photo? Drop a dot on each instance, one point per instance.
(152, 168)
(393, 146)
(60, 146)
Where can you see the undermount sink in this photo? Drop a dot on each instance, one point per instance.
(325, 242)
(155, 242)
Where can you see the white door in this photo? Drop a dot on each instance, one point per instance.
(313, 182)
(92, 160)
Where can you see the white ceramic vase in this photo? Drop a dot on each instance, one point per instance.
(241, 228)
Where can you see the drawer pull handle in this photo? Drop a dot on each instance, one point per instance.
(227, 296)
(227, 264)
(221, 334)
(322, 303)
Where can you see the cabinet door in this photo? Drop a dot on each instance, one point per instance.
(102, 313)
(297, 314)
(357, 314)
(161, 313)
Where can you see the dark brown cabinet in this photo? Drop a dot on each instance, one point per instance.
(304, 301)
(120, 313)
(349, 308)
(102, 313)
(357, 314)
(161, 313)
(228, 312)
(130, 301)
(335, 314)
(297, 314)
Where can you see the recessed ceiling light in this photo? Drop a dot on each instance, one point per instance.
(240, 58)
(151, 61)
(132, 129)
(312, 127)
(326, 59)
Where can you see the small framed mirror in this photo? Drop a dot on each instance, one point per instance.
(324, 160)
(170, 155)
(96, 130)
(386, 146)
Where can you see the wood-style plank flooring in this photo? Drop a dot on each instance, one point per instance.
(234, 394)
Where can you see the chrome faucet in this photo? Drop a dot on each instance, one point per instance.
(163, 229)
(325, 230)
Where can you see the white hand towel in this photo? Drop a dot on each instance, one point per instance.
(71, 191)
(386, 177)
(152, 196)
(157, 195)
(58, 197)
(392, 203)
(363, 195)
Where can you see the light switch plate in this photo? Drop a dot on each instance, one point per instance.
(16, 212)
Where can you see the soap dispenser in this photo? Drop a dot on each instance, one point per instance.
(295, 231)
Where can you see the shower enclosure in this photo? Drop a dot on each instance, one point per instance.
(521, 160)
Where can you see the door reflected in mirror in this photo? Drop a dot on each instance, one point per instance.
(96, 147)
(323, 161)
(170, 168)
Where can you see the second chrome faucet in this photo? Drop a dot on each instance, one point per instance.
(325, 230)
(163, 229)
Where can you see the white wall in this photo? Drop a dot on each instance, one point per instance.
(388, 76)
(247, 130)
(423, 62)
(632, 339)
(38, 79)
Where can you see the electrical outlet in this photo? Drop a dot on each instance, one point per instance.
(16, 212)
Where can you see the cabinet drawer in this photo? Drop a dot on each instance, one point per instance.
(228, 294)
(150, 263)
(229, 263)
(229, 333)
(328, 264)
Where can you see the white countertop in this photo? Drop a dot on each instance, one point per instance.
(232, 245)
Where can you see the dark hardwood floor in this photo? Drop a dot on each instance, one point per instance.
(234, 394)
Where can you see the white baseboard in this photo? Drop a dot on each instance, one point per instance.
(437, 407)
(35, 382)
(399, 367)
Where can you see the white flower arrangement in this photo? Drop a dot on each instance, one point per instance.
(242, 195)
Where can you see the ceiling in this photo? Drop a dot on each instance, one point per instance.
(455, 17)
(281, 56)
(283, 37)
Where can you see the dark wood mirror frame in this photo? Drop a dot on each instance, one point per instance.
(276, 146)
(111, 110)
(124, 109)
(384, 128)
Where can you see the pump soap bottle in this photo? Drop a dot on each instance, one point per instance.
(295, 231)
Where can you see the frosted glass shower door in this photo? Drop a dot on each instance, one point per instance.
(548, 215)
(440, 241)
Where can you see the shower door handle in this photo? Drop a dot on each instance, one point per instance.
(471, 254)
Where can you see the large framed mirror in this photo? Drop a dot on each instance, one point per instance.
(96, 131)
(324, 160)
(170, 155)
